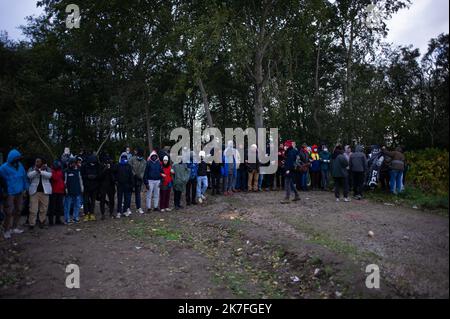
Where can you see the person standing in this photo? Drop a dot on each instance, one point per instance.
(56, 207)
(191, 186)
(152, 180)
(325, 162)
(181, 175)
(65, 157)
(291, 154)
(304, 155)
(252, 162)
(229, 168)
(15, 177)
(397, 166)
(124, 179)
(166, 184)
(216, 168)
(315, 168)
(358, 169)
(107, 186)
(280, 169)
(339, 166)
(347, 154)
(40, 189)
(138, 165)
(202, 179)
(90, 171)
(74, 191)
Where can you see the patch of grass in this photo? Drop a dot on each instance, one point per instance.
(414, 197)
(142, 231)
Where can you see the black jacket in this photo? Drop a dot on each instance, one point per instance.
(90, 172)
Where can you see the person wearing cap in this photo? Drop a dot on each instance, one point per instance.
(202, 178)
(56, 206)
(73, 189)
(138, 165)
(152, 180)
(166, 185)
(15, 177)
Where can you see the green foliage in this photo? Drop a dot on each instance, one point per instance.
(428, 170)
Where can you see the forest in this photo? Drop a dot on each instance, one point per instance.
(318, 70)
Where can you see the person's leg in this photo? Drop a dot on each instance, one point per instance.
(287, 186)
(59, 210)
(198, 191)
(51, 209)
(250, 181)
(162, 199)
(205, 185)
(393, 175)
(346, 186)
(43, 207)
(127, 200)
(67, 205)
(156, 193)
(34, 207)
(237, 184)
(102, 202)
(120, 195)
(111, 199)
(76, 208)
(188, 192)
(399, 182)
(9, 210)
(337, 182)
(137, 194)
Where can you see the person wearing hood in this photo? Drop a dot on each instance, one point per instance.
(90, 172)
(397, 167)
(339, 166)
(291, 154)
(129, 154)
(15, 177)
(124, 179)
(314, 170)
(325, 162)
(56, 207)
(166, 185)
(40, 189)
(107, 186)
(74, 190)
(358, 169)
(152, 180)
(138, 165)
(181, 174)
(202, 178)
(191, 186)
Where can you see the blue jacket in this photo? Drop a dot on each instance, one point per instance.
(325, 160)
(15, 178)
(194, 170)
(224, 168)
(153, 171)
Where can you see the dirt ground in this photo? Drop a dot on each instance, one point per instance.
(243, 246)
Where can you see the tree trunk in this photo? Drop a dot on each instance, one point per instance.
(205, 102)
(317, 93)
(149, 130)
(259, 79)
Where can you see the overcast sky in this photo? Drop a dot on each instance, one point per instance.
(424, 20)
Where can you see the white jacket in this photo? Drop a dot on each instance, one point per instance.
(34, 180)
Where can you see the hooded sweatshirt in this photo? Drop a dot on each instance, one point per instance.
(14, 176)
(138, 164)
(153, 170)
(358, 161)
(90, 171)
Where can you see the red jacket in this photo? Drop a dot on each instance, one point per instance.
(57, 181)
(166, 180)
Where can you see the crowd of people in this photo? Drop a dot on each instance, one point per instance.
(66, 192)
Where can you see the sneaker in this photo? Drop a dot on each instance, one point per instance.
(347, 200)
(163, 210)
(75, 221)
(338, 200)
(296, 199)
(127, 213)
(118, 216)
(168, 209)
(7, 234)
(17, 231)
(200, 200)
(203, 197)
(92, 218)
(140, 211)
(86, 218)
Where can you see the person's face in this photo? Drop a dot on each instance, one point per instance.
(128, 150)
(165, 162)
(38, 162)
(293, 144)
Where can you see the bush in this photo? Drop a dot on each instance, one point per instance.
(428, 170)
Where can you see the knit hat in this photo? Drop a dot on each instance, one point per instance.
(166, 158)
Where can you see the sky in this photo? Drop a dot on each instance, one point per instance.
(425, 19)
